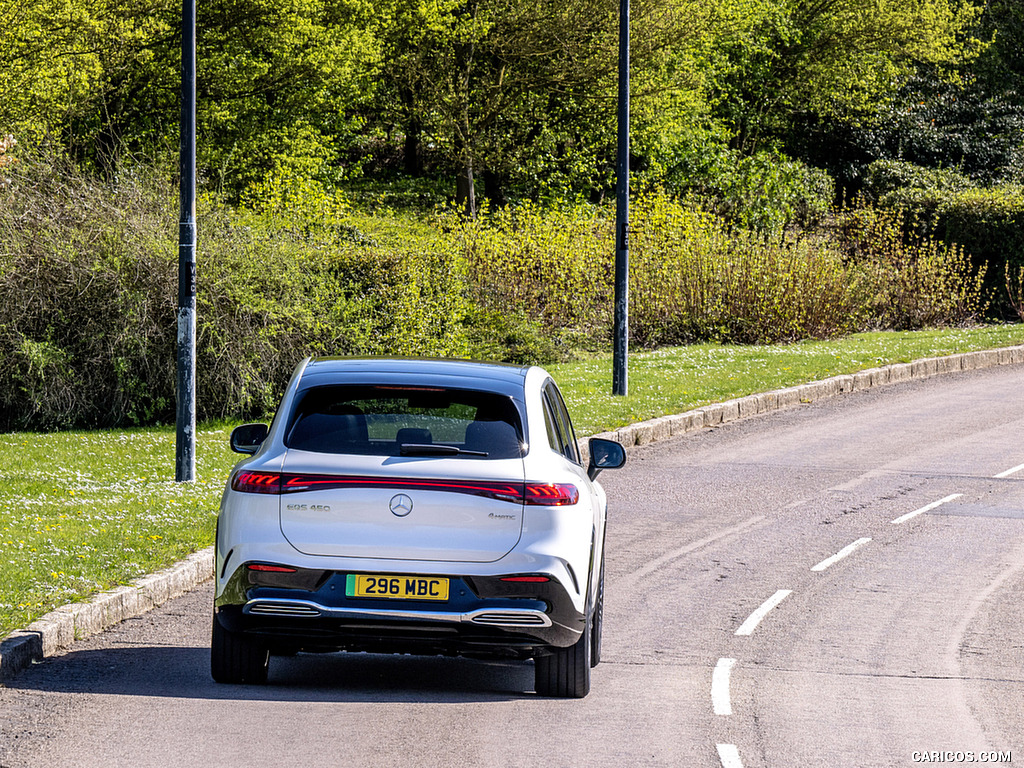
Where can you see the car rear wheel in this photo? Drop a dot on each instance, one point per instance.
(235, 658)
(566, 672)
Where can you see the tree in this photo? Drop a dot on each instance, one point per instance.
(54, 55)
(829, 58)
(968, 117)
(522, 92)
(276, 84)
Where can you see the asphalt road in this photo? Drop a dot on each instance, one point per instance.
(782, 591)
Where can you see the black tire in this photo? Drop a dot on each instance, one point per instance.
(597, 620)
(236, 658)
(565, 674)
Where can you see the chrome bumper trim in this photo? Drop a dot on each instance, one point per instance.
(504, 617)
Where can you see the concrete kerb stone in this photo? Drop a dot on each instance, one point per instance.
(676, 425)
(683, 423)
(626, 436)
(1011, 355)
(644, 433)
(59, 628)
(661, 429)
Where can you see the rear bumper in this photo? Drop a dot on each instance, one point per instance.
(483, 616)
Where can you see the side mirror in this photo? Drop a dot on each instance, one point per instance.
(604, 454)
(248, 438)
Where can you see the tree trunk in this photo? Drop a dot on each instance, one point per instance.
(411, 160)
(411, 148)
(465, 192)
(494, 189)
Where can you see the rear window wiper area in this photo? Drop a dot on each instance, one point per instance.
(435, 449)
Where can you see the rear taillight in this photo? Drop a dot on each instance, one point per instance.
(247, 481)
(551, 494)
(265, 568)
(536, 494)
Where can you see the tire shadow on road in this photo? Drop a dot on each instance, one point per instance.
(183, 672)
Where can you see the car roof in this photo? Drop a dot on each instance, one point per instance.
(441, 371)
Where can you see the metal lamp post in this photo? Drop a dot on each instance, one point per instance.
(620, 367)
(185, 451)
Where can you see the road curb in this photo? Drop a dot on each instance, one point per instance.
(61, 627)
(716, 414)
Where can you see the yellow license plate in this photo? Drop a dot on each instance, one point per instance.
(396, 587)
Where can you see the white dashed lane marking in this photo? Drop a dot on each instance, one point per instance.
(720, 687)
(928, 508)
(1009, 472)
(730, 756)
(748, 626)
(844, 552)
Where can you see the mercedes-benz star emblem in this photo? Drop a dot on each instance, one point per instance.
(401, 505)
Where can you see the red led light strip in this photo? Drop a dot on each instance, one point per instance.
(534, 494)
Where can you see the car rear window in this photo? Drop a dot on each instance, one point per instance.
(405, 420)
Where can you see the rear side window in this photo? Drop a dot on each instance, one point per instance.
(403, 420)
(560, 431)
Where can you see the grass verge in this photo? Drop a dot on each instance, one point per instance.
(85, 511)
(678, 379)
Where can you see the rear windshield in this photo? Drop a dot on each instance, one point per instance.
(409, 421)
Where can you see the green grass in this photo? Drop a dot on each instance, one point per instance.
(83, 511)
(677, 379)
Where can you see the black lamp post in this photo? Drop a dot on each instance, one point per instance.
(185, 451)
(620, 367)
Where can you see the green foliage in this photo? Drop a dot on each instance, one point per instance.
(84, 299)
(55, 55)
(694, 281)
(1015, 289)
(986, 223)
(886, 180)
(277, 82)
(87, 287)
(937, 120)
(520, 95)
(88, 276)
(766, 192)
(693, 277)
(910, 282)
(1002, 63)
(502, 88)
(548, 264)
(828, 58)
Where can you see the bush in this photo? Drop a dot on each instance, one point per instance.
(1015, 290)
(908, 282)
(885, 180)
(88, 286)
(546, 266)
(693, 278)
(85, 299)
(766, 192)
(986, 223)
